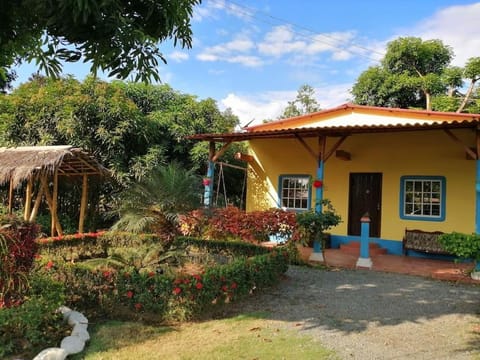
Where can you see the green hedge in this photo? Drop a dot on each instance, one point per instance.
(156, 296)
(34, 324)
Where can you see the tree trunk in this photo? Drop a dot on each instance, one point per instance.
(428, 98)
(467, 96)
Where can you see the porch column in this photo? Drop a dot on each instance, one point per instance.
(317, 254)
(477, 199)
(208, 183)
(364, 260)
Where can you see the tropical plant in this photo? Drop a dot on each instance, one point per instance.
(155, 203)
(465, 246)
(312, 224)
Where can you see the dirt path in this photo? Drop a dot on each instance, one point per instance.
(373, 315)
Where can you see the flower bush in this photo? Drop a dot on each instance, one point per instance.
(17, 250)
(160, 297)
(231, 223)
(311, 225)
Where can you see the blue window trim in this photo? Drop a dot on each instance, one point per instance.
(443, 211)
(280, 182)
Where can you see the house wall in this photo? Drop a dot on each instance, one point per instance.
(394, 155)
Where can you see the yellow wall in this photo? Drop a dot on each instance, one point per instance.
(394, 155)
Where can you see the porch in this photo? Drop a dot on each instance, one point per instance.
(436, 269)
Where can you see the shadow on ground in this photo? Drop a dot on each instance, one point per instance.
(351, 301)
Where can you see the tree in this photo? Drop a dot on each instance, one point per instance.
(116, 36)
(411, 69)
(472, 72)
(131, 128)
(304, 103)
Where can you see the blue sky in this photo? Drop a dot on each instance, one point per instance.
(252, 56)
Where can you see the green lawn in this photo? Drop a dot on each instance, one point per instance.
(250, 336)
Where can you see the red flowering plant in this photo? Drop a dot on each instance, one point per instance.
(17, 253)
(231, 223)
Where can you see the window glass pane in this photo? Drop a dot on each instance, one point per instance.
(295, 192)
(422, 198)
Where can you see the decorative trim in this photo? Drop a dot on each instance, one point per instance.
(280, 189)
(401, 202)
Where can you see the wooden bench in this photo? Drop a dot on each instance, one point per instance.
(423, 241)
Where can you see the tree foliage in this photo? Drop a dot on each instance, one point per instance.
(116, 36)
(304, 103)
(130, 128)
(417, 73)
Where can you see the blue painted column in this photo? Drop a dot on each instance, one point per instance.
(208, 188)
(317, 244)
(477, 199)
(364, 259)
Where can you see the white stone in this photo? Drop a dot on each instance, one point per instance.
(364, 263)
(63, 310)
(74, 317)
(52, 354)
(72, 344)
(81, 332)
(475, 275)
(316, 256)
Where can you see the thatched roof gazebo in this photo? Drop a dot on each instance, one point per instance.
(41, 166)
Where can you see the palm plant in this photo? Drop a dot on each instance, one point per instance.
(155, 203)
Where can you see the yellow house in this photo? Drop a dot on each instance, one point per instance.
(410, 169)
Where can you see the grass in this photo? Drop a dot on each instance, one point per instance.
(248, 336)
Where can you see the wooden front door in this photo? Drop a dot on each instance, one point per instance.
(365, 197)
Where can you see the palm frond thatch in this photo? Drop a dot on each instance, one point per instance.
(17, 164)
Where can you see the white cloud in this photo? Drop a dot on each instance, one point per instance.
(270, 104)
(235, 51)
(215, 8)
(284, 40)
(456, 26)
(178, 56)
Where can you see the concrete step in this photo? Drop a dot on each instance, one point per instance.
(353, 248)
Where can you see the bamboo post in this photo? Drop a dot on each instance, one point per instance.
(55, 222)
(83, 204)
(36, 205)
(10, 197)
(48, 197)
(28, 199)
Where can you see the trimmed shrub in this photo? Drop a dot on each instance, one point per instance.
(160, 297)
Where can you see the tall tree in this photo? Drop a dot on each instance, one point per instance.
(304, 103)
(411, 67)
(130, 127)
(472, 72)
(116, 36)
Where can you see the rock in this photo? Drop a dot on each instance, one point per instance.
(63, 310)
(72, 344)
(74, 317)
(80, 331)
(52, 354)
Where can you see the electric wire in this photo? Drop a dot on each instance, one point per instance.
(312, 35)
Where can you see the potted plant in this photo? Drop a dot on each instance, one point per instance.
(465, 246)
(313, 226)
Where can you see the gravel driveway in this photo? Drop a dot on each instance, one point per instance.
(364, 314)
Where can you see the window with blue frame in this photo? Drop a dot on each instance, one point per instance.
(294, 192)
(422, 198)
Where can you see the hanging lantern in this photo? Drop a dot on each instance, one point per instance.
(317, 183)
(206, 181)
